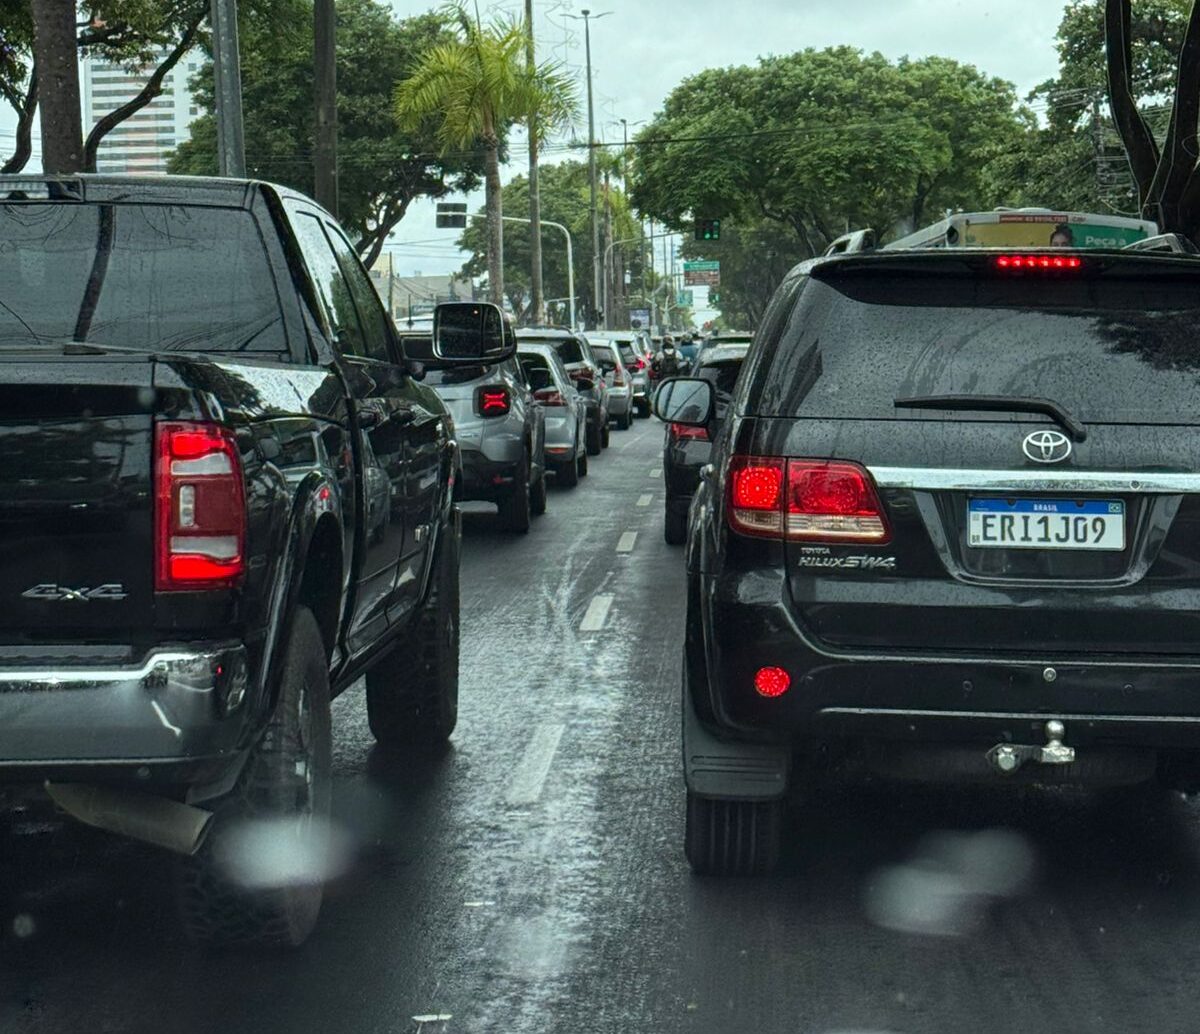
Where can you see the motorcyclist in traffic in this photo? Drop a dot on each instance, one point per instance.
(669, 361)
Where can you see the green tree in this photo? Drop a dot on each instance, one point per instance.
(564, 192)
(818, 140)
(382, 168)
(476, 86)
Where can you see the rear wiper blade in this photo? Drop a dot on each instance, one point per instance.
(1000, 404)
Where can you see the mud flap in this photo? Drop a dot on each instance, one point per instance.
(730, 769)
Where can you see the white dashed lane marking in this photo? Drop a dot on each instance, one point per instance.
(645, 499)
(596, 614)
(626, 541)
(527, 781)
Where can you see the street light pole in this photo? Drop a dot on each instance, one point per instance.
(587, 36)
(227, 89)
(325, 184)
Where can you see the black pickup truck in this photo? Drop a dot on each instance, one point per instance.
(224, 498)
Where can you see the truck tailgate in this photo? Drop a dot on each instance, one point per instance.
(76, 500)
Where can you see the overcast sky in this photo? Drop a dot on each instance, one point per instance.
(643, 48)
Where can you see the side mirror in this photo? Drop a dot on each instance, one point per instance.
(472, 334)
(689, 401)
(539, 378)
(584, 384)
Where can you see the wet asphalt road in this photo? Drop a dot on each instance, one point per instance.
(531, 878)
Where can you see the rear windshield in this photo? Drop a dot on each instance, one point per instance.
(1109, 350)
(569, 350)
(723, 375)
(627, 353)
(142, 276)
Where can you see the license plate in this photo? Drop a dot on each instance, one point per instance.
(1045, 524)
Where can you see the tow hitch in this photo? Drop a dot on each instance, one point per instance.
(1006, 758)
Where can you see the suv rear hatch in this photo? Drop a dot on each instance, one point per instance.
(1003, 530)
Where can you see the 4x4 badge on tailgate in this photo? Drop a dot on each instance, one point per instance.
(1046, 446)
(49, 591)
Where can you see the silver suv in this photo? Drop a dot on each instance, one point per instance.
(500, 430)
(577, 356)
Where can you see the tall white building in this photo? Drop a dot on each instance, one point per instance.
(142, 142)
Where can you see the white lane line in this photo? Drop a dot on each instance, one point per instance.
(596, 614)
(626, 541)
(527, 781)
(645, 500)
(655, 473)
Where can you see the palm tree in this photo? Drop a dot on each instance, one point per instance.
(475, 87)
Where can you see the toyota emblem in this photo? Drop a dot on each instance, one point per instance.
(1046, 446)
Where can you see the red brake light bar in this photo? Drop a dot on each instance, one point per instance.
(493, 401)
(1038, 262)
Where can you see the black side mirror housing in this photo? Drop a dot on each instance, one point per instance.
(472, 334)
(689, 401)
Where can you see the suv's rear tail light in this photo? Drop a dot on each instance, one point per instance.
(683, 432)
(1049, 263)
(808, 500)
(493, 401)
(772, 682)
(549, 397)
(200, 508)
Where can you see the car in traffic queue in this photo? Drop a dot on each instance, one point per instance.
(950, 530)
(717, 339)
(500, 432)
(687, 448)
(618, 379)
(564, 411)
(581, 365)
(636, 359)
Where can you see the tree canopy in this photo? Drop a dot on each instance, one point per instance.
(821, 139)
(381, 167)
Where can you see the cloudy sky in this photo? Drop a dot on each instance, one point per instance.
(645, 47)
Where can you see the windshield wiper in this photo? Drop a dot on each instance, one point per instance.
(1000, 404)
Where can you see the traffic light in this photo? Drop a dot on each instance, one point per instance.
(714, 296)
(708, 229)
(451, 216)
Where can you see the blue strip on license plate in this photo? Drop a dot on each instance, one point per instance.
(1046, 524)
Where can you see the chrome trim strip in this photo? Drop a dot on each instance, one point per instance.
(1065, 480)
(159, 667)
(895, 712)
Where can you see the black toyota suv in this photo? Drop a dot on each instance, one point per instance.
(951, 529)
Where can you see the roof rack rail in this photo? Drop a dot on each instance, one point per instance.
(856, 240)
(1172, 243)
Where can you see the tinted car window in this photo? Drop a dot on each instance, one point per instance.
(1109, 350)
(331, 285)
(627, 354)
(570, 350)
(370, 310)
(723, 376)
(172, 277)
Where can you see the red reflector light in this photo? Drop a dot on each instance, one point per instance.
(772, 682)
(682, 432)
(493, 401)
(200, 508)
(810, 500)
(1037, 262)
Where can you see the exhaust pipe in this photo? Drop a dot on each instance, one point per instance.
(177, 827)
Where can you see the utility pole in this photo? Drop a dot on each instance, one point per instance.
(55, 52)
(325, 184)
(587, 36)
(536, 302)
(227, 85)
(609, 279)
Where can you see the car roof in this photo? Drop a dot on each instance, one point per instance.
(156, 190)
(545, 334)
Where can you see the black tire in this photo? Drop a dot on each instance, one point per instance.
(593, 440)
(625, 422)
(516, 508)
(643, 409)
(605, 435)
(568, 474)
(581, 465)
(416, 705)
(675, 522)
(732, 838)
(216, 903)
(537, 497)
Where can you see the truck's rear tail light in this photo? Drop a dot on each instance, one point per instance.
(756, 495)
(772, 682)
(1039, 263)
(683, 432)
(550, 397)
(200, 508)
(493, 401)
(830, 501)
(807, 500)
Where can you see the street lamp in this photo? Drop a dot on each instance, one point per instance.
(587, 15)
